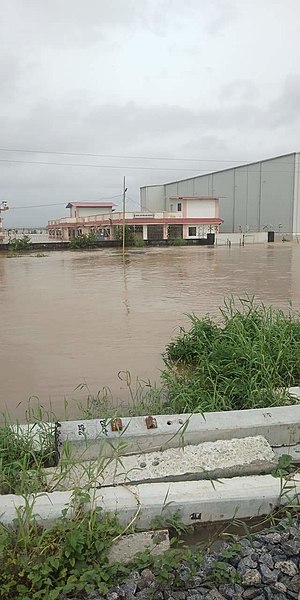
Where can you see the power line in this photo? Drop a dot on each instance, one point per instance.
(121, 156)
(60, 164)
(139, 205)
(58, 203)
(167, 158)
(124, 167)
(36, 206)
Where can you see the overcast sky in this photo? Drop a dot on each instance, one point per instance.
(212, 80)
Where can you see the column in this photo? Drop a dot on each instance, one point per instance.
(65, 234)
(185, 232)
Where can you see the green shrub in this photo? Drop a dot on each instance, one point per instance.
(178, 242)
(138, 242)
(22, 244)
(71, 556)
(84, 241)
(129, 235)
(239, 363)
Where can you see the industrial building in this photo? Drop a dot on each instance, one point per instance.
(255, 197)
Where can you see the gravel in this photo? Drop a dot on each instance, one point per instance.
(264, 568)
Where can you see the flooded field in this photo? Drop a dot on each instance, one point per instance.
(81, 317)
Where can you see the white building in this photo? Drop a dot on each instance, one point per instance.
(254, 196)
(88, 209)
(192, 218)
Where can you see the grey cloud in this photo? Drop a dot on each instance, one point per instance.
(10, 75)
(107, 128)
(79, 125)
(239, 90)
(128, 129)
(76, 23)
(70, 126)
(285, 109)
(225, 13)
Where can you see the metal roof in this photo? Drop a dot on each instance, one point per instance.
(89, 204)
(205, 172)
(193, 197)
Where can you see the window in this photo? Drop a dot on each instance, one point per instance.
(171, 207)
(179, 206)
(192, 232)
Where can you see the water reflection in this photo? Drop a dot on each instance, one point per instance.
(74, 317)
(2, 274)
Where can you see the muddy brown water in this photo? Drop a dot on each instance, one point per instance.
(81, 317)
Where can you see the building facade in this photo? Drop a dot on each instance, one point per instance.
(254, 197)
(185, 217)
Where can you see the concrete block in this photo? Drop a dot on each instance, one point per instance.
(211, 460)
(128, 546)
(47, 508)
(294, 391)
(195, 501)
(90, 439)
(42, 435)
(292, 451)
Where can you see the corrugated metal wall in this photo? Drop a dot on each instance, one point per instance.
(152, 198)
(252, 196)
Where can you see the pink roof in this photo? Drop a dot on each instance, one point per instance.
(149, 221)
(89, 204)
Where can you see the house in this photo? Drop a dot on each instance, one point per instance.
(80, 220)
(89, 209)
(185, 217)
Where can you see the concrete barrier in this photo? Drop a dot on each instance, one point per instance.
(42, 435)
(211, 460)
(292, 451)
(89, 439)
(200, 502)
(47, 508)
(128, 546)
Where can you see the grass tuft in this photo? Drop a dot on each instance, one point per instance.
(239, 363)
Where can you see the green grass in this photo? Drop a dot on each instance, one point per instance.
(21, 464)
(240, 362)
(71, 556)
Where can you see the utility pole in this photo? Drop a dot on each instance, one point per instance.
(124, 213)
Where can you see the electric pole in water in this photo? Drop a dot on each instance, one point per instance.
(124, 213)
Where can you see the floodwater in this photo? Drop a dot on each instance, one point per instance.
(69, 318)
